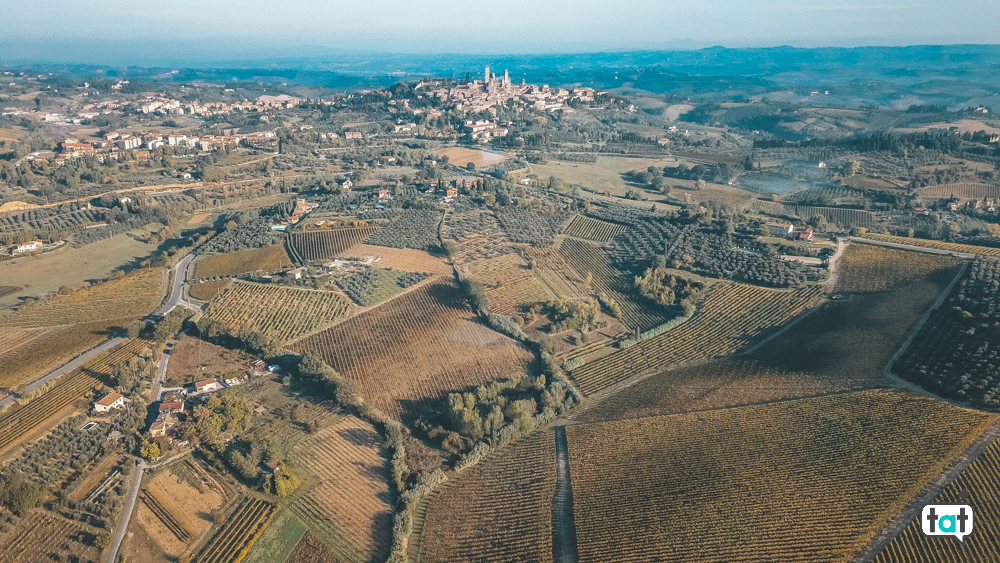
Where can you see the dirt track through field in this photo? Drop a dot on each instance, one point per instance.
(563, 521)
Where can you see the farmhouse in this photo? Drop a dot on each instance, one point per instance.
(163, 423)
(207, 386)
(296, 274)
(171, 407)
(27, 247)
(779, 228)
(353, 135)
(110, 401)
(384, 194)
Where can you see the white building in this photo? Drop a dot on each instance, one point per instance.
(113, 400)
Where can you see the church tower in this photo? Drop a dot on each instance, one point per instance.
(487, 79)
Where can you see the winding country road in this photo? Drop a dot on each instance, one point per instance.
(175, 300)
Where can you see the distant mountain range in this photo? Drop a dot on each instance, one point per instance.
(954, 75)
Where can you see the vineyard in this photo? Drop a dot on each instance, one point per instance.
(839, 346)
(323, 245)
(955, 354)
(41, 537)
(231, 543)
(839, 216)
(176, 507)
(510, 284)
(133, 295)
(267, 259)
(961, 190)
(593, 229)
(498, 511)
(937, 244)
(980, 480)
(554, 273)
(283, 312)
(71, 387)
(638, 313)
(311, 550)
(809, 480)
(411, 351)
(731, 317)
(868, 268)
(353, 487)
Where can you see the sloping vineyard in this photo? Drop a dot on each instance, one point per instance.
(238, 534)
(593, 229)
(586, 259)
(809, 480)
(413, 350)
(937, 244)
(267, 259)
(962, 190)
(731, 317)
(498, 511)
(323, 245)
(980, 481)
(353, 485)
(283, 312)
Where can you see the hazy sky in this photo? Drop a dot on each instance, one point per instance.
(121, 30)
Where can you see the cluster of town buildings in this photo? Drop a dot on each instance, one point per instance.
(139, 146)
(477, 96)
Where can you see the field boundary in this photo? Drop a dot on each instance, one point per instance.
(896, 525)
(564, 547)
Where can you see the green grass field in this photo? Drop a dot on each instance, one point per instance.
(278, 539)
(70, 266)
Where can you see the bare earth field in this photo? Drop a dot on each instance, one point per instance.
(195, 358)
(460, 156)
(405, 259)
(191, 509)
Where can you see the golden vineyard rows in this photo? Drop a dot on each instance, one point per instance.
(593, 229)
(868, 268)
(982, 480)
(286, 313)
(498, 511)
(134, 295)
(810, 480)
(964, 190)
(323, 245)
(585, 258)
(410, 352)
(353, 485)
(731, 317)
(937, 244)
(238, 534)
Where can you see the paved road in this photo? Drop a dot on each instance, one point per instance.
(175, 299)
(912, 247)
(176, 291)
(66, 368)
(133, 494)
